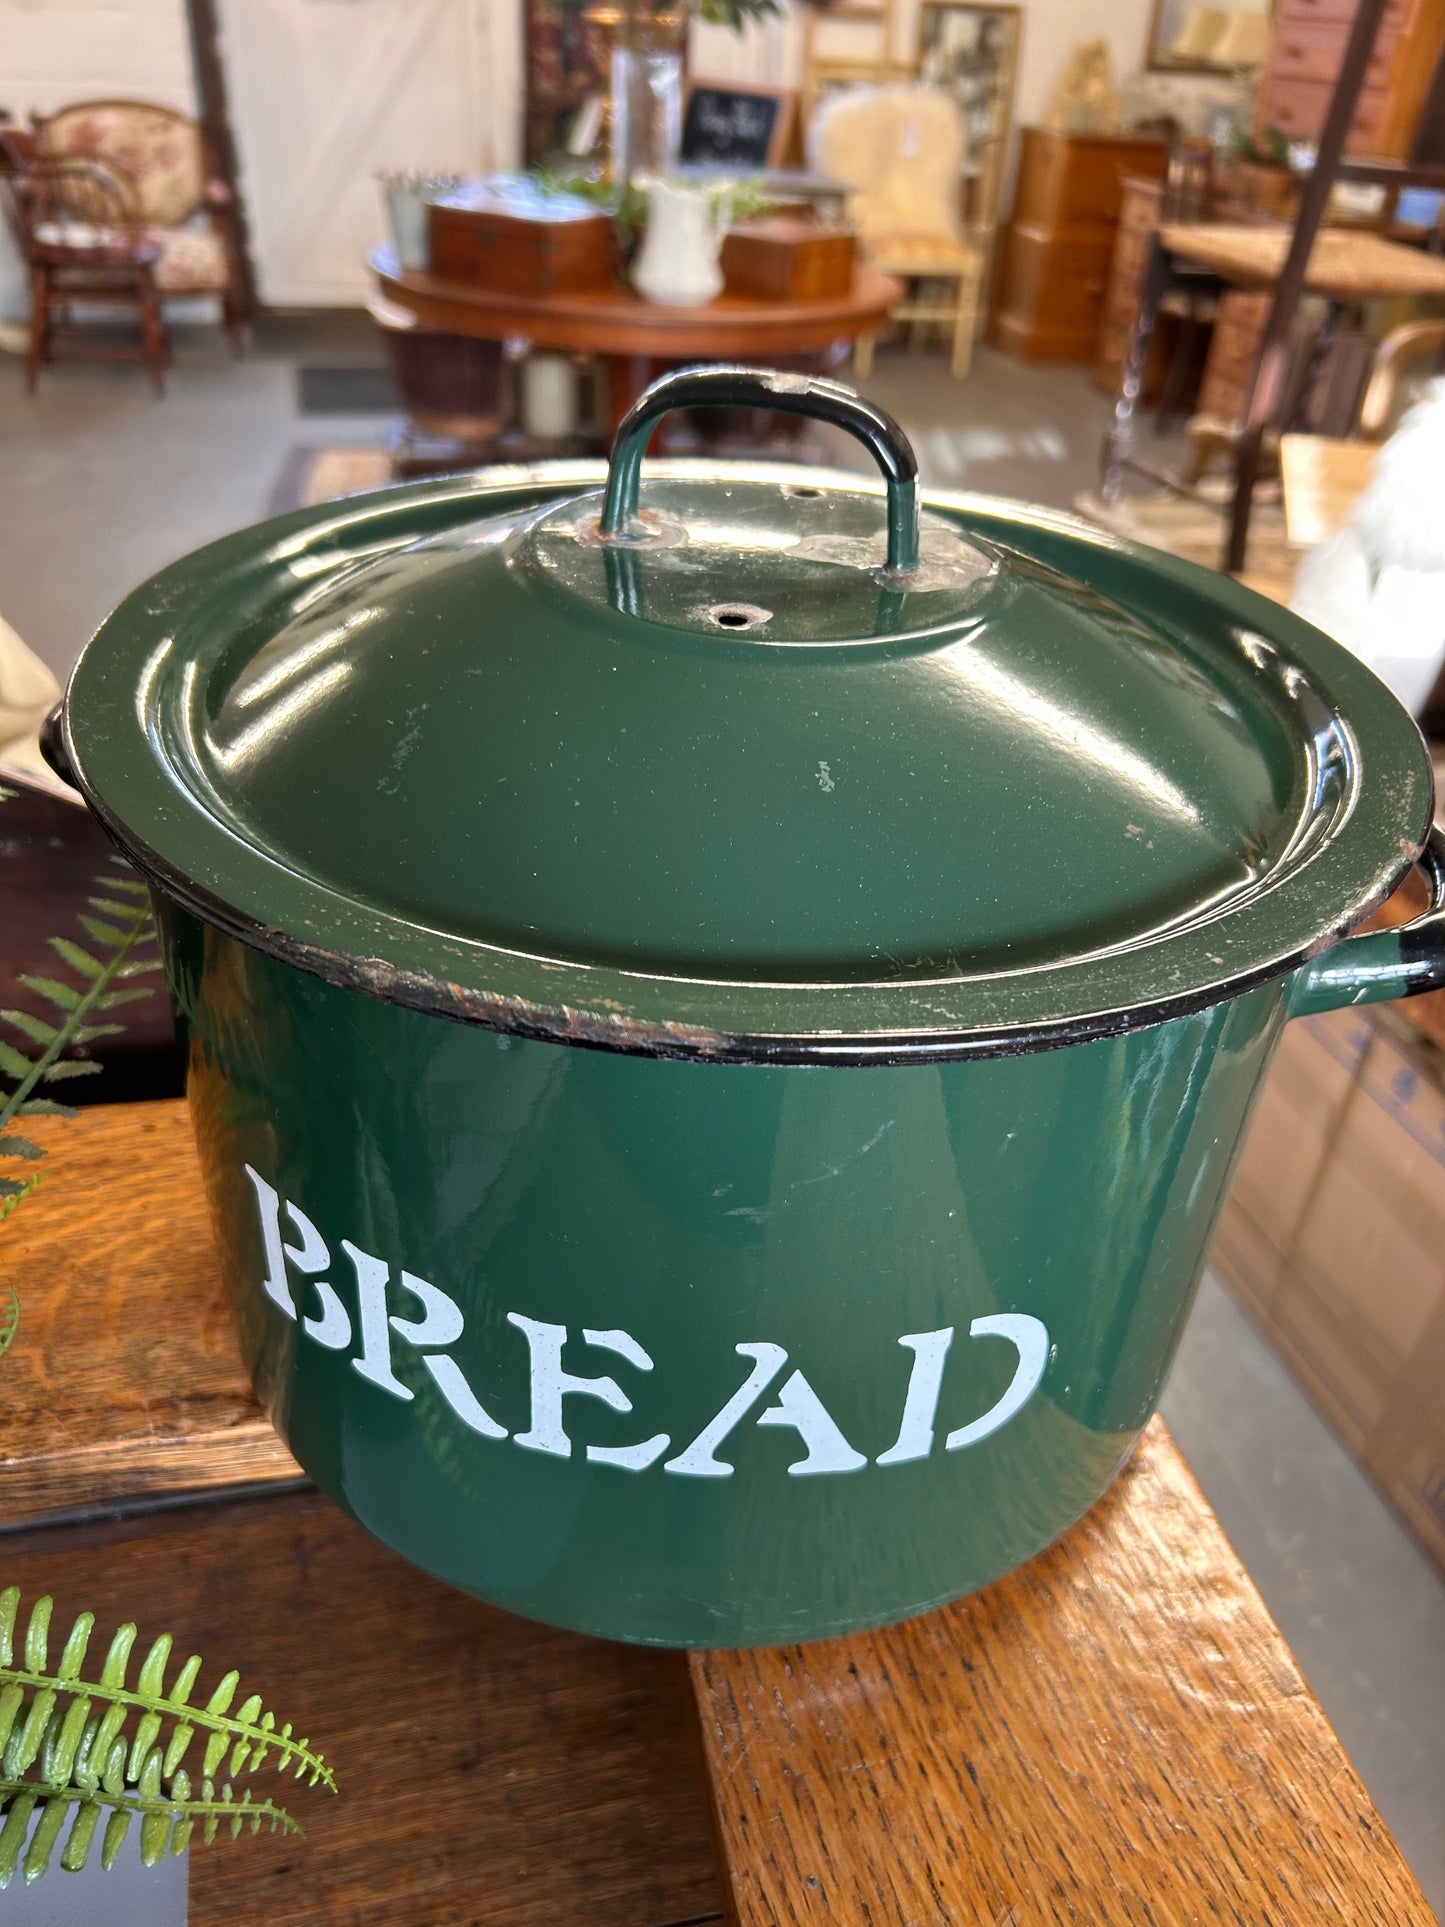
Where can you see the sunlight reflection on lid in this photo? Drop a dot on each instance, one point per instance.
(250, 690)
(279, 717)
(1120, 764)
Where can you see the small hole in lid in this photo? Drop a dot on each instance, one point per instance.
(801, 491)
(737, 615)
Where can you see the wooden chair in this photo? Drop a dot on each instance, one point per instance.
(1403, 358)
(180, 205)
(1188, 184)
(902, 151)
(73, 223)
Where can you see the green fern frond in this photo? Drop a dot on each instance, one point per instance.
(65, 999)
(102, 933)
(13, 1062)
(10, 1315)
(100, 1744)
(250, 1736)
(104, 986)
(168, 1821)
(14, 1192)
(35, 1028)
(79, 959)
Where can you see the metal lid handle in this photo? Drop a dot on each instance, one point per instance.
(828, 401)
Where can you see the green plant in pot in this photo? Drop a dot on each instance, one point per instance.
(88, 1750)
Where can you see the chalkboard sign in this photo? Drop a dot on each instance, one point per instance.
(736, 126)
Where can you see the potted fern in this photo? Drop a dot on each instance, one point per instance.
(83, 1744)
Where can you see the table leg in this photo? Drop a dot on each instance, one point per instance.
(1114, 454)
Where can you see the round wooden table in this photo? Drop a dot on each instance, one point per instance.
(639, 337)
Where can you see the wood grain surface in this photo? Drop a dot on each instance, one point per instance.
(1115, 1735)
(492, 1773)
(123, 1384)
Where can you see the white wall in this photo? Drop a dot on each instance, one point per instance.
(324, 94)
(52, 51)
(321, 96)
(768, 54)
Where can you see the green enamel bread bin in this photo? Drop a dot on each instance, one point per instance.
(721, 1010)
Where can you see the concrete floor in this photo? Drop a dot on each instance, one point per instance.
(1361, 1606)
(103, 484)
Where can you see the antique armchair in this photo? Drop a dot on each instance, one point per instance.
(176, 201)
(83, 250)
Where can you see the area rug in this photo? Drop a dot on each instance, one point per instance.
(1194, 531)
(312, 475)
(364, 388)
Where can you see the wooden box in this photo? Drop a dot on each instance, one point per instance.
(559, 248)
(786, 258)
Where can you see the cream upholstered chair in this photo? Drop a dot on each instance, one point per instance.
(160, 155)
(902, 150)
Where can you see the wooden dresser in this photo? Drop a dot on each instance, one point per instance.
(1055, 258)
(1304, 59)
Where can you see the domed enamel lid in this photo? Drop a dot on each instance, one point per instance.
(754, 762)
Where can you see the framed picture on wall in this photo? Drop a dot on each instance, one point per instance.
(973, 52)
(747, 127)
(1187, 38)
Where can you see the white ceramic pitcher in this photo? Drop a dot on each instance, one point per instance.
(677, 264)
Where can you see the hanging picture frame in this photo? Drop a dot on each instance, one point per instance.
(973, 51)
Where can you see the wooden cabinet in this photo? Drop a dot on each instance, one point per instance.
(1307, 47)
(1055, 259)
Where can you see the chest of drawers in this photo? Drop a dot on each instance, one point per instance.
(1306, 50)
(1056, 252)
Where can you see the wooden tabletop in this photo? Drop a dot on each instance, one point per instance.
(1114, 1735)
(615, 321)
(1344, 264)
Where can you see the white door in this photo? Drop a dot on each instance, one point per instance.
(326, 92)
